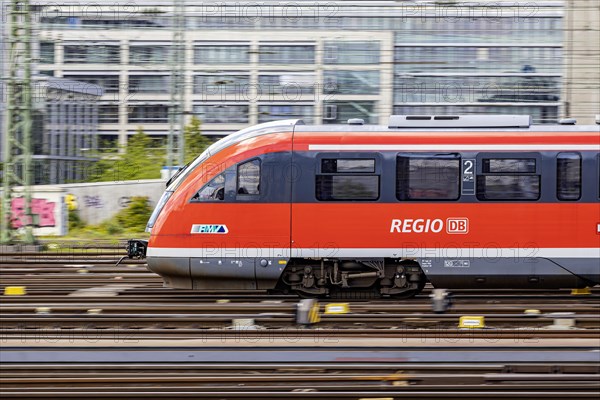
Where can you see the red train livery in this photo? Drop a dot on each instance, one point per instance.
(483, 201)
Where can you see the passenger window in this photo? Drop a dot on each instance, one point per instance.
(350, 179)
(212, 191)
(508, 179)
(248, 177)
(336, 165)
(345, 187)
(568, 176)
(427, 177)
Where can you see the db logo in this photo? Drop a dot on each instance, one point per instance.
(457, 225)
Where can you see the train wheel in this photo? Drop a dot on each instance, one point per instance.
(409, 294)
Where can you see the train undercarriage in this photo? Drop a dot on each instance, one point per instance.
(354, 278)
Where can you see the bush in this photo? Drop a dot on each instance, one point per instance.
(112, 228)
(75, 221)
(136, 215)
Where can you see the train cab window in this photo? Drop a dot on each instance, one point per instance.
(508, 179)
(248, 178)
(212, 191)
(428, 176)
(568, 176)
(347, 179)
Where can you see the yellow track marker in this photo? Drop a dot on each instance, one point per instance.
(471, 322)
(15, 291)
(337, 308)
(313, 315)
(532, 312)
(581, 292)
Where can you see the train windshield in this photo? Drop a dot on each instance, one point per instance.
(180, 175)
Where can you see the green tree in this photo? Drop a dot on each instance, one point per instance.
(195, 142)
(139, 160)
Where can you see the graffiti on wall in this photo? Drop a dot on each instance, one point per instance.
(93, 201)
(124, 201)
(42, 207)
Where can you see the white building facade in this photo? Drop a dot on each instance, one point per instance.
(252, 62)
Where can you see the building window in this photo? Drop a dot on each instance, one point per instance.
(471, 89)
(248, 178)
(222, 85)
(108, 114)
(222, 54)
(157, 113)
(289, 85)
(508, 179)
(212, 191)
(269, 54)
(149, 84)
(46, 53)
(427, 177)
(568, 176)
(351, 82)
(514, 59)
(110, 83)
(149, 54)
(347, 179)
(341, 112)
(351, 53)
(88, 54)
(222, 113)
(272, 112)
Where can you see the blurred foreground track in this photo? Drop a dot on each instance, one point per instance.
(87, 329)
(350, 369)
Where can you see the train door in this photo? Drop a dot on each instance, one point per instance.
(266, 214)
(333, 203)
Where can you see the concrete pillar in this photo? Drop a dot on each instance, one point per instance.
(581, 89)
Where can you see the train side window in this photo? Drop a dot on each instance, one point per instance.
(350, 179)
(568, 176)
(350, 165)
(428, 177)
(212, 191)
(508, 179)
(248, 178)
(347, 187)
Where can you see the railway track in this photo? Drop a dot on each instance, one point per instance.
(80, 308)
(323, 372)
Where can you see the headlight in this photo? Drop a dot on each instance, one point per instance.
(159, 206)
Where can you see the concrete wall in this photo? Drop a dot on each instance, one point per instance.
(97, 202)
(48, 205)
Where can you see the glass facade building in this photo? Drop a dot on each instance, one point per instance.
(249, 62)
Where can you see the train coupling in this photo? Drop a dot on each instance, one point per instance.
(136, 248)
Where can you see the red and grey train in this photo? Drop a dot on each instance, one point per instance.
(476, 201)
